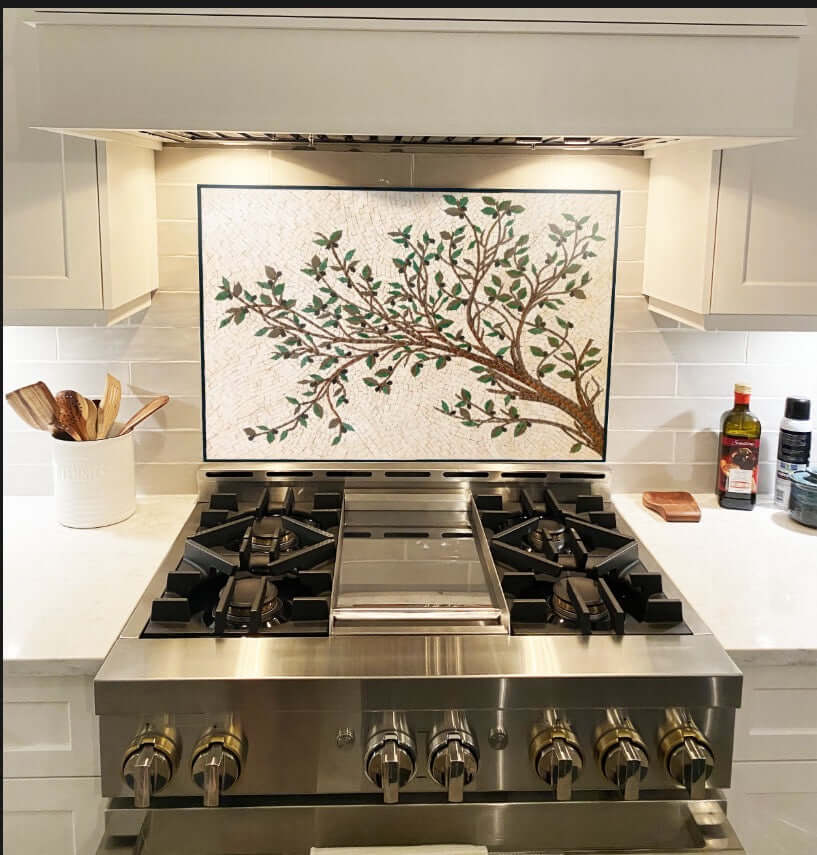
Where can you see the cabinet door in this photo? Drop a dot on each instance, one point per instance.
(764, 261)
(52, 816)
(51, 255)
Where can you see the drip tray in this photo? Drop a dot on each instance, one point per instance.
(414, 563)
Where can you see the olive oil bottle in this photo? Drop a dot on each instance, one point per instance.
(739, 452)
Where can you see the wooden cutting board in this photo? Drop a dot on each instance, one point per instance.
(673, 506)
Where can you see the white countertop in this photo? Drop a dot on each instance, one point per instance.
(750, 575)
(67, 593)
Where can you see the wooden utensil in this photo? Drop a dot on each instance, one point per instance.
(109, 408)
(69, 414)
(673, 506)
(35, 405)
(148, 410)
(89, 409)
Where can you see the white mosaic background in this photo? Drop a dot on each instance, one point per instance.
(244, 229)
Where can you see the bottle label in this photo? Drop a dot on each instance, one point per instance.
(794, 446)
(737, 468)
(782, 483)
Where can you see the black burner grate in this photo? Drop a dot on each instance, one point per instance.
(564, 567)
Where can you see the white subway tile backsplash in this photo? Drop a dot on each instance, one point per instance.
(679, 346)
(631, 243)
(633, 208)
(631, 446)
(87, 378)
(642, 380)
(143, 344)
(549, 169)
(165, 378)
(632, 314)
(352, 169)
(780, 348)
(177, 237)
(27, 479)
(176, 202)
(629, 278)
(29, 344)
(166, 477)
(179, 273)
(167, 446)
(636, 477)
(217, 165)
(767, 381)
(696, 446)
(178, 414)
(169, 309)
(667, 413)
(669, 385)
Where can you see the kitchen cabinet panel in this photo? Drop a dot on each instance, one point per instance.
(52, 816)
(764, 258)
(778, 718)
(79, 215)
(49, 727)
(771, 807)
(731, 236)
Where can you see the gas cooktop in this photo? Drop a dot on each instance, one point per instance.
(265, 562)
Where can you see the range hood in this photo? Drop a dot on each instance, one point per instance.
(620, 78)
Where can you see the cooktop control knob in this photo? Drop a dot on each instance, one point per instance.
(391, 756)
(556, 755)
(453, 755)
(686, 752)
(621, 753)
(217, 760)
(149, 763)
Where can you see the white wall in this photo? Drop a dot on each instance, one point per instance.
(669, 384)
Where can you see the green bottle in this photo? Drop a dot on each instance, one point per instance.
(739, 453)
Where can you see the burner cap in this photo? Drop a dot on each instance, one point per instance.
(269, 535)
(241, 600)
(588, 590)
(552, 530)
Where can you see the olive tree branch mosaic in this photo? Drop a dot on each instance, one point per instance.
(470, 293)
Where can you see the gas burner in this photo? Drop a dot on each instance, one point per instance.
(550, 530)
(242, 597)
(588, 590)
(269, 535)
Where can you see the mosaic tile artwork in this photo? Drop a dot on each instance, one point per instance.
(385, 324)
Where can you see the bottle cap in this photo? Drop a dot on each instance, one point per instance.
(743, 389)
(798, 408)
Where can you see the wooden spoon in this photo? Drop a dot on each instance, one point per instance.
(69, 414)
(109, 408)
(148, 410)
(89, 410)
(35, 405)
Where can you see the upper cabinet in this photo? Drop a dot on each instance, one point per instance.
(731, 232)
(79, 215)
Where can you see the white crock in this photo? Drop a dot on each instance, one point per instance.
(94, 481)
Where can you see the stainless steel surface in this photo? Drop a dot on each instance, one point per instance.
(688, 755)
(217, 760)
(150, 761)
(414, 563)
(453, 754)
(621, 753)
(390, 760)
(556, 754)
(649, 827)
(422, 702)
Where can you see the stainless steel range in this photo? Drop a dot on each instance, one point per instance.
(413, 655)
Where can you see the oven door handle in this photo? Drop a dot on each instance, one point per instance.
(529, 824)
